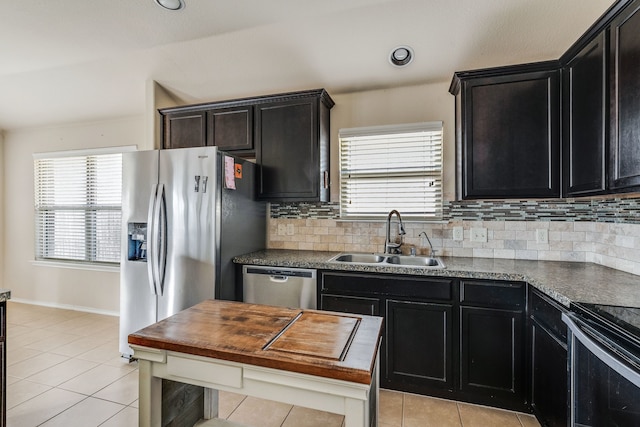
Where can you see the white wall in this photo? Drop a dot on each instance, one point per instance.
(65, 287)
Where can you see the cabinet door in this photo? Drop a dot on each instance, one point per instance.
(419, 346)
(511, 136)
(585, 114)
(288, 147)
(492, 364)
(231, 129)
(350, 304)
(184, 129)
(624, 154)
(549, 378)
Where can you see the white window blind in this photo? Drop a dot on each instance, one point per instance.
(391, 167)
(78, 205)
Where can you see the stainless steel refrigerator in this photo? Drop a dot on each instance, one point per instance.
(186, 213)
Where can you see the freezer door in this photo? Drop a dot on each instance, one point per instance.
(137, 302)
(190, 185)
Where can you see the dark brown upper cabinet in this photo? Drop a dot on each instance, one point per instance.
(509, 119)
(624, 143)
(182, 129)
(508, 129)
(287, 134)
(228, 127)
(231, 129)
(292, 140)
(585, 114)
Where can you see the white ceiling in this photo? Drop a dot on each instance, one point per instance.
(75, 60)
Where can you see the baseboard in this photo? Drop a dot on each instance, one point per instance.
(66, 307)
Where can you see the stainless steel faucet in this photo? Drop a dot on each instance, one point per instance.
(392, 247)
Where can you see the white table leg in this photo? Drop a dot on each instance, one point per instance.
(150, 396)
(211, 403)
(356, 413)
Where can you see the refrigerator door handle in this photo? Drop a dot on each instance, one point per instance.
(152, 241)
(162, 239)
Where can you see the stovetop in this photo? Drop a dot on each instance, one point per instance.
(616, 321)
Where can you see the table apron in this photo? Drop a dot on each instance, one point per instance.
(325, 394)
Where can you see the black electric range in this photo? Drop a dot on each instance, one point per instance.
(604, 350)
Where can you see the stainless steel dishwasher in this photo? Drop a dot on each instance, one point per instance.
(281, 286)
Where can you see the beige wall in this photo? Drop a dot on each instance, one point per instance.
(99, 290)
(65, 287)
(1, 208)
(422, 103)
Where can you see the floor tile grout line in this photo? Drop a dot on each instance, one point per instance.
(234, 409)
(287, 416)
(112, 416)
(402, 413)
(459, 414)
(59, 413)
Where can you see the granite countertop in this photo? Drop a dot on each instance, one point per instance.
(565, 282)
(5, 294)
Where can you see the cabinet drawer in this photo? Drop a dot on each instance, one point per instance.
(213, 372)
(493, 294)
(348, 304)
(403, 286)
(548, 313)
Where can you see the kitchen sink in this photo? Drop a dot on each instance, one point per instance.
(360, 258)
(389, 260)
(415, 261)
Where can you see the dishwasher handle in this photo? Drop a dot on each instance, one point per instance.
(281, 272)
(279, 278)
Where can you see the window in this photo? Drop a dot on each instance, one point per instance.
(391, 167)
(78, 205)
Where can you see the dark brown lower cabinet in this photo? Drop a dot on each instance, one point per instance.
(419, 346)
(549, 369)
(447, 337)
(346, 304)
(492, 363)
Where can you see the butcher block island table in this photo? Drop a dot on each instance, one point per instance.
(316, 359)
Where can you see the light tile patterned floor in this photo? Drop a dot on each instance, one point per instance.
(64, 369)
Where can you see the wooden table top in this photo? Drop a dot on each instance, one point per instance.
(327, 344)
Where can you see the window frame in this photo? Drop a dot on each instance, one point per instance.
(431, 207)
(91, 210)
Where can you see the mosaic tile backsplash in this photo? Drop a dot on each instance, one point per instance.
(606, 232)
(624, 210)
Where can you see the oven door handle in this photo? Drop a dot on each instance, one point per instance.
(605, 356)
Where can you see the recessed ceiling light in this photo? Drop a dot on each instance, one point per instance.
(401, 56)
(171, 4)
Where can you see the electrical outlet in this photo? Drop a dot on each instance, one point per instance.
(282, 230)
(458, 234)
(479, 234)
(542, 235)
(290, 230)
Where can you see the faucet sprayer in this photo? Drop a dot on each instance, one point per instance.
(432, 252)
